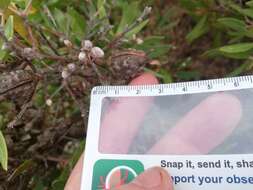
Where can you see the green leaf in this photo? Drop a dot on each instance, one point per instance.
(249, 32)
(137, 29)
(192, 5)
(2, 55)
(250, 3)
(188, 75)
(9, 28)
(155, 46)
(247, 65)
(77, 23)
(162, 74)
(233, 23)
(240, 55)
(246, 12)
(20, 3)
(4, 4)
(237, 48)
(101, 8)
(3, 152)
(165, 75)
(39, 185)
(129, 14)
(61, 20)
(212, 53)
(200, 29)
(26, 165)
(235, 55)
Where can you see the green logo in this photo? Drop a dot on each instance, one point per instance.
(110, 174)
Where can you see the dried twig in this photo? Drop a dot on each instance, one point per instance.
(78, 102)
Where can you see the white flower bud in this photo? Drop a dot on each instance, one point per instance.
(97, 52)
(139, 41)
(49, 102)
(148, 10)
(64, 74)
(28, 50)
(71, 67)
(87, 44)
(82, 56)
(67, 43)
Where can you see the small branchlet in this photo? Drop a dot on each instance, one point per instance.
(146, 12)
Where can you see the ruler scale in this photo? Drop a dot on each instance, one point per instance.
(181, 88)
(200, 131)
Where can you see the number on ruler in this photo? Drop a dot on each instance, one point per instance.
(184, 89)
(160, 90)
(209, 86)
(138, 91)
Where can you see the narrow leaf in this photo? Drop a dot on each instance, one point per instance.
(246, 12)
(250, 3)
(3, 152)
(26, 165)
(129, 13)
(9, 28)
(19, 25)
(200, 29)
(101, 8)
(233, 23)
(137, 29)
(61, 20)
(241, 55)
(237, 48)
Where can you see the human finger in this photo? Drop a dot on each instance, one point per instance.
(152, 179)
(74, 181)
(203, 128)
(122, 119)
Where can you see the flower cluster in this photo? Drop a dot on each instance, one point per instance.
(88, 52)
(71, 67)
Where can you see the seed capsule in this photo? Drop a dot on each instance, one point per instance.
(67, 43)
(97, 52)
(65, 74)
(28, 51)
(71, 67)
(87, 44)
(49, 102)
(82, 56)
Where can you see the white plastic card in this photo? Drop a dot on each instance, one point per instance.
(201, 132)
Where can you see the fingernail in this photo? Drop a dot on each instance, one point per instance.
(152, 178)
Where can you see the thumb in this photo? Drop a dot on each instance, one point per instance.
(152, 179)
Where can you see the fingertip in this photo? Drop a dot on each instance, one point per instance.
(74, 181)
(155, 178)
(144, 79)
(228, 104)
(214, 119)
